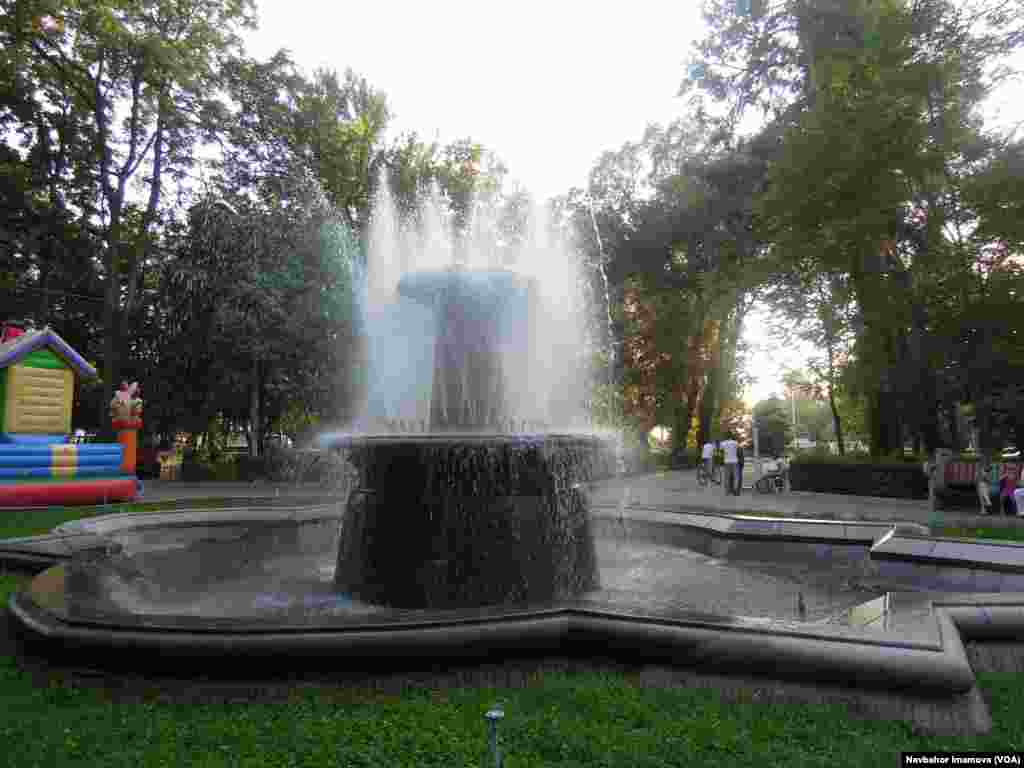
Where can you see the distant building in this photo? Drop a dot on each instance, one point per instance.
(851, 445)
(803, 443)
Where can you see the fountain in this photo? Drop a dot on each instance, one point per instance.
(474, 530)
(476, 511)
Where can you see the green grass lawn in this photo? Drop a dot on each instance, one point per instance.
(1010, 533)
(33, 522)
(563, 719)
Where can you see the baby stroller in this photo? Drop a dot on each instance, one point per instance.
(774, 481)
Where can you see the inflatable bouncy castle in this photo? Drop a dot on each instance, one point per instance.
(39, 465)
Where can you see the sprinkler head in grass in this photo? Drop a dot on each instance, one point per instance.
(493, 716)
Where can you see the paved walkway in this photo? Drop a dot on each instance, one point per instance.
(665, 490)
(679, 490)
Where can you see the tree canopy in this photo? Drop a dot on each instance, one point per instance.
(198, 219)
(873, 213)
(195, 218)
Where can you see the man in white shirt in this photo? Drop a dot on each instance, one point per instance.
(708, 457)
(729, 476)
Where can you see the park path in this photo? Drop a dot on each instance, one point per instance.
(663, 490)
(679, 490)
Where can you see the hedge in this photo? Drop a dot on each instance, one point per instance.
(891, 479)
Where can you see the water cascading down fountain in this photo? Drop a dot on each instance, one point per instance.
(474, 512)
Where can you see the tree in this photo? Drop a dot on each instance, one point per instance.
(878, 101)
(774, 431)
(769, 57)
(869, 175)
(665, 227)
(339, 128)
(817, 308)
(140, 75)
(814, 416)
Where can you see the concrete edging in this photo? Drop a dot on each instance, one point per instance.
(120, 521)
(872, 663)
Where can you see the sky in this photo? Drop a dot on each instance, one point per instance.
(547, 86)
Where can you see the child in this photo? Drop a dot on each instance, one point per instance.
(984, 486)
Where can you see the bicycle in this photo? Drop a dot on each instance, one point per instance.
(703, 478)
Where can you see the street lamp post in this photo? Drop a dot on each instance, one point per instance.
(757, 448)
(792, 400)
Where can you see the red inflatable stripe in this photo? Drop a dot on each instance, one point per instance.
(59, 494)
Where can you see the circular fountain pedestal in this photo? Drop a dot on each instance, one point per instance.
(447, 521)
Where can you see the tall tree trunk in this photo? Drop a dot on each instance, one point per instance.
(885, 429)
(111, 337)
(837, 425)
(135, 266)
(692, 403)
(893, 423)
(682, 415)
(711, 342)
(707, 407)
(114, 198)
(955, 438)
(922, 398)
(264, 421)
(44, 283)
(254, 410)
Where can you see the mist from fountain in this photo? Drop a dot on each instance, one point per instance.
(541, 353)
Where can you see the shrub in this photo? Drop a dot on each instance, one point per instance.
(891, 477)
(823, 457)
(249, 468)
(684, 458)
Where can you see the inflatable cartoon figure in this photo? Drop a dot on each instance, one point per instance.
(126, 415)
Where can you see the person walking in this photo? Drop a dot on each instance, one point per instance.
(983, 483)
(729, 479)
(707, 456)
(1008, 489)
(739, 469)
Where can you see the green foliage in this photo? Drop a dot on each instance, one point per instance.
(664, 226)
(868, 184)
(774, 426)
(857, 458)
(260, 263)
(853, 413)
(1012, 533)
(110, 95)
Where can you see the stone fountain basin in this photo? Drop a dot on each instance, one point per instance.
(153, 583)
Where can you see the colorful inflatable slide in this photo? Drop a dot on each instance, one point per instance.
(39, 466)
